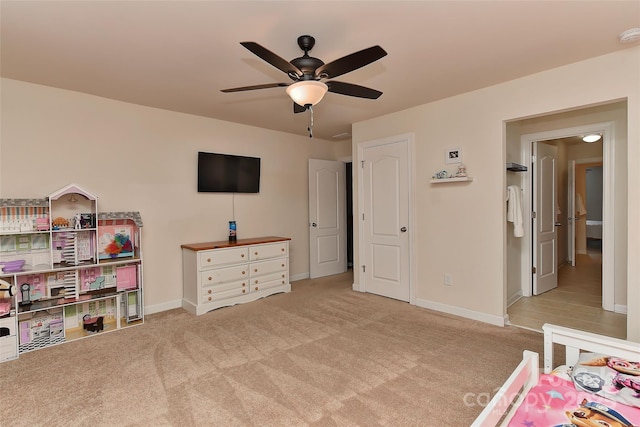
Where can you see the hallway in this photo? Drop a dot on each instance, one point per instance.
(575, 303)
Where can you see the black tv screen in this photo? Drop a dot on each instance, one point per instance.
(226, 173)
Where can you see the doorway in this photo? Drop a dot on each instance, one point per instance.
(331, 217)
(580, 287)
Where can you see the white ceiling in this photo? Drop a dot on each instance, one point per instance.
(178, 55)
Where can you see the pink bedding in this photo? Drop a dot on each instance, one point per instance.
(556, 402)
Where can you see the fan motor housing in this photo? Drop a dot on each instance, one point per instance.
(308, 65)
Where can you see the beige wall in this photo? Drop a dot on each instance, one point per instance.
(144, 159)
(461, 228)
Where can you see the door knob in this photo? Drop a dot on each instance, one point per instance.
(403, 229)
(313, 224)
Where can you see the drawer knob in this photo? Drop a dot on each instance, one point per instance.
(209, 278)
(244, 284)
(256, 288)
(209, 298)
(256, 282)
(283, 276)
(209, 291)
(283, 282)
(241, 255)
(282, 265)
(244, 290)
(208, 259)
(244, 272)
(255, 253)
(255, 270)
(282, 249)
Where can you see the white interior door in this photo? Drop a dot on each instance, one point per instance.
(571, 212)
(385, 220)
(327, 218)
(545, 242)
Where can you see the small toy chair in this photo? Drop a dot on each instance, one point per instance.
(93, 324)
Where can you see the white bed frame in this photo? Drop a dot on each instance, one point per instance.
(504, 404)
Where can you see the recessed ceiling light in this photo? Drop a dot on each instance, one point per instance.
(630, 36)
(592, 138)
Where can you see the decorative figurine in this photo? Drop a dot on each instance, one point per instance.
(462, 171)
(440, 175)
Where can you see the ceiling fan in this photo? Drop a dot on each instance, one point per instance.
(307, 72)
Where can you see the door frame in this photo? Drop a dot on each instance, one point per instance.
(572, 167)
(571, 208)
(608, 207)
(410, 139)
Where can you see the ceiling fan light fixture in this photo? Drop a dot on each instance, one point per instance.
(307, 92)
(592, 137)
(629, 36)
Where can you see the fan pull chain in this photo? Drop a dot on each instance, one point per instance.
(310, 127)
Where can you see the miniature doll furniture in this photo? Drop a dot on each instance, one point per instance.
(93, 324)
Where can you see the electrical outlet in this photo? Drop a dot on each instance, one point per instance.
(447, 279)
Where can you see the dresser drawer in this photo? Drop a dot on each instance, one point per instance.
(268, 284)
(266, 267)
(257, 281)
(268, 251)
(220, 257)
(224, 275)
(227, 290)
(216, 289)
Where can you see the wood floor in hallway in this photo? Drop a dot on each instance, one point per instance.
(575, 303)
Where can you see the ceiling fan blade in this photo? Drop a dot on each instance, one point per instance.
(350, 62)
(254, 87)
(350, 89)
(273, 59)
(298, 108)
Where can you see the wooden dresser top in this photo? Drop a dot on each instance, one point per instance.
(226, 244)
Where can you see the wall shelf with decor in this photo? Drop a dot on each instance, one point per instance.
(445, 180)
(66, 270)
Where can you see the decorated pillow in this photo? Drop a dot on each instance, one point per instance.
(613, 378)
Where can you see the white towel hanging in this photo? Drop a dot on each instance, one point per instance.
(514, 210)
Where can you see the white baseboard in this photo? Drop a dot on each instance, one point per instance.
(462, 312)
(157, 308)
(513, 298)
(619, 308)
(299, 277)
(170, 305)
(356, 287)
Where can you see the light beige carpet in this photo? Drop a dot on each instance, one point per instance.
(322, 355)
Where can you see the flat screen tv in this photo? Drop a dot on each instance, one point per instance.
(226, 173)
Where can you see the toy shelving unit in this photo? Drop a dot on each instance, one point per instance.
(67, 271)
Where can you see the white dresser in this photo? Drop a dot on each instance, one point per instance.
(218, 274)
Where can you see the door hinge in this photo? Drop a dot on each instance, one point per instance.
(362, 163)
(533, 215)
(363, 217)
(364, 268)
(533, 158)
(533, 270)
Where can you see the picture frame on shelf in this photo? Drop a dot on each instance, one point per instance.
(453, 155)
